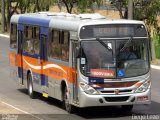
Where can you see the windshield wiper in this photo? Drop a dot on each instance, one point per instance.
(126, 44)
(104, 44)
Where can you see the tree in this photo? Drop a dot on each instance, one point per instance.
(42, 5)
(121, 6)
(23, 6)
(130, 9)
(69, 4)
(3, 14)
(82, 5)
(148, 12)
(8, 14)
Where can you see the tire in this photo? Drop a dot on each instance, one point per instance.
(68, 107)
(127, 107)
(30, 86)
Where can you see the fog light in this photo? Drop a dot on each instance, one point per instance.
(100, 100)
(144, 87)
(142, 98)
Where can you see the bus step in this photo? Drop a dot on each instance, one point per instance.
(44, 94)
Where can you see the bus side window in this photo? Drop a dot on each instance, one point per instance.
(28, 43)
(32, 39)
(13, 38)
(54, 45)
(65, 46)
(36, 40)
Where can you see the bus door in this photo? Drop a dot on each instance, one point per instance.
(43, 60)
(74, 71)
(20, 55)
(13, 52)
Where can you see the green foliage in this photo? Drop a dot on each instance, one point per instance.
(120, 5)
(68, 4)
(0, 6)
(148, 12)
(156, 41)
(23, 5)
(42, 5)
(83, 5)
(34, 5)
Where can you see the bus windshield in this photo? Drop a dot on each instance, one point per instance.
(120, 59)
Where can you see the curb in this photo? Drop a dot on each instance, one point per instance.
(155, 67)
(2, 35)
(152, 66)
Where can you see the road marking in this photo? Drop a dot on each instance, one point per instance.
(21, 110)
(2, 35)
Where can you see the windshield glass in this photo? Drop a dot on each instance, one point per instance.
(114, 58)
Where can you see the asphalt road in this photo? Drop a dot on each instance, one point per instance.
(50, 109)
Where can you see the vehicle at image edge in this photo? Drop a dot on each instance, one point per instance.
(83, 60)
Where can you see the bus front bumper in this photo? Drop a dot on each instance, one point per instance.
(86, 100)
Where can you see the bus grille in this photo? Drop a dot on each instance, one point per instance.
(115, 84)
(113, 92)
(116, 99)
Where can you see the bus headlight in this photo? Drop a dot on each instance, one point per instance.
(143, 87)
(88, 89)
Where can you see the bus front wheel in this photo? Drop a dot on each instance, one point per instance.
(69, 108)
(30, 86)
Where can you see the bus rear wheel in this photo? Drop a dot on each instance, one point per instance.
(68, 107)
(30, 86)
(127, 107)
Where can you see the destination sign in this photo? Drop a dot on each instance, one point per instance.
(112, 31)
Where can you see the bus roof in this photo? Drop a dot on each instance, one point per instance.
(66, 21)
(73, 22)
(38, 19)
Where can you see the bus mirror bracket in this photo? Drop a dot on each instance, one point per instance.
(77, 52)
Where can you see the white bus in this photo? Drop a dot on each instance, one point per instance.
(82, 60)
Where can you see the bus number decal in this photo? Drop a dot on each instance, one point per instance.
(102, 73)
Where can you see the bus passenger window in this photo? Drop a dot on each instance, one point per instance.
(32, 39)
(55, 46)
(28, 41)
(13, 37)
(65, 46)
(36, 40)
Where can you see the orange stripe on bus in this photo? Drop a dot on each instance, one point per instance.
(50, 69)
(12, 58)
(138, 84)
